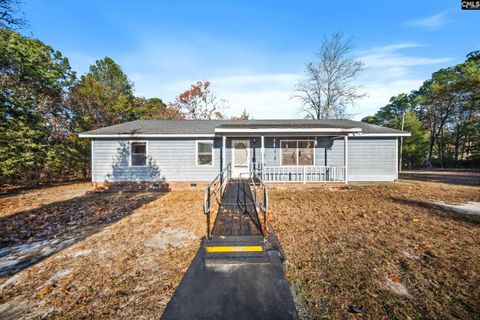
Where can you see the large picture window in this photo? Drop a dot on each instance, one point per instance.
(297, 152)
(204, 153)
(138, 154)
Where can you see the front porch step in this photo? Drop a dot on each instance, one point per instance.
(235, 250)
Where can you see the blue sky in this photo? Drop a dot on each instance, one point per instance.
(254, 52)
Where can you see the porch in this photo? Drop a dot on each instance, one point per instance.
(303, 174)
(287, 155)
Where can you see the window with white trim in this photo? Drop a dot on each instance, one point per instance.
(297, 152)
(204, 153)
(138, 154)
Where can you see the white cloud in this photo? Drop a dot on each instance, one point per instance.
(263, 95)
(261, 83)
(392, 57)
(433, 22)
(379, 92)
(389, 71)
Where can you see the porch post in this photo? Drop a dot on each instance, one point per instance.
(262, 152)
(224, 155)
(345, 157)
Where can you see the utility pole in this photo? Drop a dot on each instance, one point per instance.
(401, 145)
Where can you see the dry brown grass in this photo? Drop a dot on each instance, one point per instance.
(31, 199)
(111, 273)
(350, 248)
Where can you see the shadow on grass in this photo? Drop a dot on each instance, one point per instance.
(466, 178)
(8, 190)
(30, 236)
(438, 210)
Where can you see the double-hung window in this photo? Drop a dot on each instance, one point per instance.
(204, 153)
(138, 154)
(297, 152)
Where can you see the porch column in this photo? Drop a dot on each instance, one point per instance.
(262, 152)
(345, 157)
(224, 153)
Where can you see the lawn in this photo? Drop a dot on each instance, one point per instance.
(359, 251)
(121, 255)
(380, 251)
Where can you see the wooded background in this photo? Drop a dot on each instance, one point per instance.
(443, 116)
(44, 105)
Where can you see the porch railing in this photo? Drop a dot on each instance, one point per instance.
(302, 174)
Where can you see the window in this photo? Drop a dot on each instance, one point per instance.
(297, 152)
(204, 153)
(138, 154)
(289, 153)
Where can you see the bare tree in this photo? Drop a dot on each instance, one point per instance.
(199, 102)
(10, 15)
(328, 89)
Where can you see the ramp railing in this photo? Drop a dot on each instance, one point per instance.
(260, 197)
(213, 194)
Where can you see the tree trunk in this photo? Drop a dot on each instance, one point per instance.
(430, 149)
(440, 152)
(457, 145)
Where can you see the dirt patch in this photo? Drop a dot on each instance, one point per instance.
(380, 251)
(458, 177)
(110, 273)
(464, 208)
(176, 238)
(393, 283)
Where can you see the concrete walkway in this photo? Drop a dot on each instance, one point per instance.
(235, 291)
(235, 285)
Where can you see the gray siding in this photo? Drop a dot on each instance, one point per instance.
(168, 159)
(369, 159)
(372, 159)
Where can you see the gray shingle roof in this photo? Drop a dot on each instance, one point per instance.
(208, 126)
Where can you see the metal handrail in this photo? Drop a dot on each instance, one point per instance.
(262, 206)
(215, 188)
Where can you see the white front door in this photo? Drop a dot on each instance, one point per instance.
(240, 158)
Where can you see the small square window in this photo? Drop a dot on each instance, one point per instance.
(204, 153)
(138, 152)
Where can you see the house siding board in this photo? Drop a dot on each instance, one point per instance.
(168, 159)
(372, 159)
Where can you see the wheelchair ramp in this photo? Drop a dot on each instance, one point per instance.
(237, 235)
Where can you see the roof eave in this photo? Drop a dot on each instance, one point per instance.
(144, 135)
(288, 130)
(386, 135)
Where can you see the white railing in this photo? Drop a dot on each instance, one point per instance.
(301, 174)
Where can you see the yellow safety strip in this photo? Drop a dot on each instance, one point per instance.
(234, 249)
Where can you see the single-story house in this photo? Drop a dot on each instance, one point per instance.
(278, 150)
